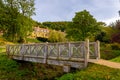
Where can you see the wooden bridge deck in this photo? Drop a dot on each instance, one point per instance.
(75, 54)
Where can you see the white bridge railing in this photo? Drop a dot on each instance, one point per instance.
(72, 51)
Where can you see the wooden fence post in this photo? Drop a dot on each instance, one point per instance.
(69, 50)
(98, 49)
(86, 52)
(58, 51)
(45, 53)
(7, 50)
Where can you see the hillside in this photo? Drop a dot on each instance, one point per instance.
(93, 72)
(18, 70)
(3, 41)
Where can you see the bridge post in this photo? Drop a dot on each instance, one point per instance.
(7, 50)
(66, 68)
(45, 53)
(69, 52)
(86, 52)
(98, 49)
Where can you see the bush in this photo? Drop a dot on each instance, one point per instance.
(115, 46)
(56, 36)
(109, 51)
(115, 38)
(109, 54)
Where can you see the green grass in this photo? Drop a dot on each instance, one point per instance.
(15, 70)
(93, 72)
(117, 59)
(19, 70)
(2, 49)
(30, 40)
(9, 69)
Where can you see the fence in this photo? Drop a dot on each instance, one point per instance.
(70, 52)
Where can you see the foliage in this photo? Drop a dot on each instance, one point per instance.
(115, 38)
(101, 37)
(68, 76)
(56, 36)
(93, 72)
(116, 35)
(30, 40)
(19, 70)
(116, 25)
(62, 26)
(83, 26)
(26, 7)
(105, 34)
(3, 41)
(36, 24)
(42, 39)
(8, 68)
(115, 46)
(15, 21)
(107, 52)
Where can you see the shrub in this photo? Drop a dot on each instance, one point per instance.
(109, 51)
(116, 38)
(115, 46)
(109, 54)
(56, 36)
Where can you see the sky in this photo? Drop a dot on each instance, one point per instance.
(64, 10)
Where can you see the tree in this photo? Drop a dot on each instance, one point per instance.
(1, 16)
(26, 7)
(115, 36)
(83, 25)
(62, 26)
(116, 25)
(16, 18)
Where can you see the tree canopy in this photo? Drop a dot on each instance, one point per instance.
(83, 25)
(62, 26)
(15, 19)
(115, 36)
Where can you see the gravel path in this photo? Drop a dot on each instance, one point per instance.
(107, 63)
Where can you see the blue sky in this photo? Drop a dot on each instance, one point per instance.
(64, 10)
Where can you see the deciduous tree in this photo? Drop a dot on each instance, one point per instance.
(83, 25)
(16, 18)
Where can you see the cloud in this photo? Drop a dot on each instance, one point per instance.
(64, 10)
(109, 21)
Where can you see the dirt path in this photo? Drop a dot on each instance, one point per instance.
(107, 63)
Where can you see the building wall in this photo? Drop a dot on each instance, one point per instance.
(40, 32)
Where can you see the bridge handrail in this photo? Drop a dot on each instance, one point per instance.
(68, 50)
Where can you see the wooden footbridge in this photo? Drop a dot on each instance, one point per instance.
(71, 54)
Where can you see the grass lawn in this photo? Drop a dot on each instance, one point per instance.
(15, 70)
(93, 72)
(117, 59)
(19, 70)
